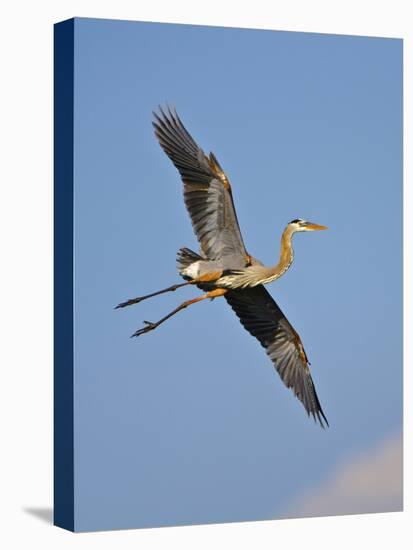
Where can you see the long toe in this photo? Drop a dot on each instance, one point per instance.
(128, 303)
(148, 328)
(139, 332)
(123, 304)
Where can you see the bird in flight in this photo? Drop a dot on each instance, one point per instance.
(223, 266)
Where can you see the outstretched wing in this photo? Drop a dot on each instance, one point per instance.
(207, 192)
(261, 316)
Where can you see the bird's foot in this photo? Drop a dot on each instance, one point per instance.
(129, 303)
(149, 326)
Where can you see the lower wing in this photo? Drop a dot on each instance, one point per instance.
(261, 317)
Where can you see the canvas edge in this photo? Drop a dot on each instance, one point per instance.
(63, 429)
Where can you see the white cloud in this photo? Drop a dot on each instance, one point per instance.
(371, 482)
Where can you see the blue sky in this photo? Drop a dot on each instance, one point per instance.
(191, 424)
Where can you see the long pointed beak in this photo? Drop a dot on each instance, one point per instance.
(315, 227)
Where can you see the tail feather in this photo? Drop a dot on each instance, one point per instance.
(185, 257)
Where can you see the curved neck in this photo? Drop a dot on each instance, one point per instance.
(270, 274)
(286, 253)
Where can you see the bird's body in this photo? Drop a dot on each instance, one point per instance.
(225, 268)
(233, 272)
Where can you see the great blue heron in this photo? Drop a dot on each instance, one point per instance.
(224, 268)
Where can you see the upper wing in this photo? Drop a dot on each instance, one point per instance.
(261, 316)
(207, 192)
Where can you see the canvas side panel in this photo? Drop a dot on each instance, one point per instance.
(63, 275)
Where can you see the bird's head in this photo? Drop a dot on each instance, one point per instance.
(303, 225)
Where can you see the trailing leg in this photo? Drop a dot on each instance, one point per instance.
(151, 326)
(206, 278)
(139, 299)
